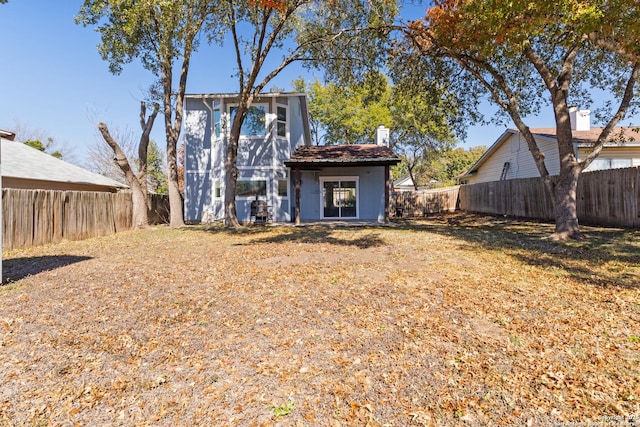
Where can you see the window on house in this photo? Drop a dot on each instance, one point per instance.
(255, 122)
(283, 188)
(251, 188)
(603, 164)
(281, 121)
(217, 192)
(339, 197)
(217, 123)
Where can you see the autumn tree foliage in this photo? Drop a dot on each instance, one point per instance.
(527, 55)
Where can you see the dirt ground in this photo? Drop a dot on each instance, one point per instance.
(457, 320)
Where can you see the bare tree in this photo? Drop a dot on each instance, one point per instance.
(137, 181)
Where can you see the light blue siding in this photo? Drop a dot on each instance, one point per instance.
(370, 198)
(259, 158)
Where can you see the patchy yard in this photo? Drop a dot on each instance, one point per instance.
(459, 320)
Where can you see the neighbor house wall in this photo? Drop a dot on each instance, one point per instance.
(619, 152)
(521, 164)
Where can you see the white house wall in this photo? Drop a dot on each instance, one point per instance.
(620, 152)
(521, 164)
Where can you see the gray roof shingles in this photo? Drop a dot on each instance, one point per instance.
(21, 161)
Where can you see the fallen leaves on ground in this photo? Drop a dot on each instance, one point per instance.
(455, 320)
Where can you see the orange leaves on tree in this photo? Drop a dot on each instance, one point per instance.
(280, 5)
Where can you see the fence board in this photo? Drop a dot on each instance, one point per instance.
(605, 198)
(423, 202)
(38, 217)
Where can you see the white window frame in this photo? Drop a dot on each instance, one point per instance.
(276, 182)
(217, 185)
(276, 122)
(324, 179)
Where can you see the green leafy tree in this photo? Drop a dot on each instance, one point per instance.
(45, 148)
(156, 176)
(350, 114)
(162, 34)
(525, 55)
(445, 167)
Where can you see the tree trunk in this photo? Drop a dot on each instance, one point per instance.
(176, 217)
(140, 211)
(565, 207)
(140, 208)
(231, 171)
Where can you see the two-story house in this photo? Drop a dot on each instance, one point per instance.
(278, 165)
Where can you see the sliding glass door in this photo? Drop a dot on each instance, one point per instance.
(339, 197)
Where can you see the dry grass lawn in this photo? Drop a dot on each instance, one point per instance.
(456, 320)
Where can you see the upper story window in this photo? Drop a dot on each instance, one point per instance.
(217, 122)
(281, 121)
(255, 122)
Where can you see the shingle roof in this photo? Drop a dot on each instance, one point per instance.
(21, 161)
(351, 154)
(620, 134)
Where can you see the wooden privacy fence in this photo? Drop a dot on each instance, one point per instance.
(38, 217)
(423, 202)
(605, 198)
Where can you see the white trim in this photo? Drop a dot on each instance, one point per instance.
(276, 181)
(323, 179)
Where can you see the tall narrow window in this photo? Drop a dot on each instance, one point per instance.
(217, 124)
(281, 122)
(283, 188)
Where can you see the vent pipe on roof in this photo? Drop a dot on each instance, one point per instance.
(580, 119)
(382, 136)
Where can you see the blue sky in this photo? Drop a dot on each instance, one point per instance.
(54, 81)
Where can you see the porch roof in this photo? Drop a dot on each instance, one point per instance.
(313, 156)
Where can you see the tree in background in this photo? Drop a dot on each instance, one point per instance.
(419, 122)
(45, 148)
(163, 34)
(525, 55)
(101, 160)
(137, 181)
(362, 107)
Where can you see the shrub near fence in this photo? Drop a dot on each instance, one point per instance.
(605, 198)
(423, 202)
(39, 217)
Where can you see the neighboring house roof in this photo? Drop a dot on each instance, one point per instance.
(21, 162)
(403, 181)
(342, 155)
(627, 135)
(7, 135)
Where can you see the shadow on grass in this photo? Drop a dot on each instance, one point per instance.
(18, 268)
(306, 234)
(528, 241)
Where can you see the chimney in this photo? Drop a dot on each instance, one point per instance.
(580, 119)
(382, 136)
